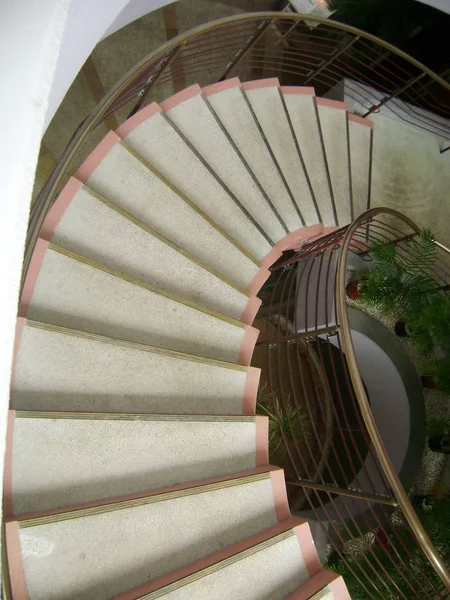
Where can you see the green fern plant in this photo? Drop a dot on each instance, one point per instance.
(397, 284)
(439, 370)
(286, 423)
(429, 326)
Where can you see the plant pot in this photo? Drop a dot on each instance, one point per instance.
(400, 329)
(352, 290)
(428, 382)
(440, 443)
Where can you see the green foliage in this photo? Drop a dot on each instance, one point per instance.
(286, 423)
(391, 20)
(395, 284)
(440, 371)
(397, 561)
(429, 326)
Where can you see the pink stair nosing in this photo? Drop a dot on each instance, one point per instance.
(32, 275)
(179, 97)
(221, 86)
(248, 345)
(96, 156)
(59, 207)
(291, 241)
(137, 119)
(16, 569)
(360, 120)
(258, 281)
(251, 310)
(300, 90)
(261, 83)
(332, 103)
(251, 390)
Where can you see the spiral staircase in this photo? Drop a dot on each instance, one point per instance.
(136, 466)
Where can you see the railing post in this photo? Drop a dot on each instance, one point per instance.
(347, 44)
(331, 489)
(154, 78)
(243, 51)
(394, 94)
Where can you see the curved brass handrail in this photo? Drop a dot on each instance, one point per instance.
(50, 188)
(399, 492)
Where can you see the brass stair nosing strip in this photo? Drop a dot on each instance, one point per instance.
(148, 286)
(146, 163)
(97, 416)
(135, 345)
(164, 240)
(321, 593)
(235, 558)
(143, 501)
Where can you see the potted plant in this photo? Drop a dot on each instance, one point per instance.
(436, 375)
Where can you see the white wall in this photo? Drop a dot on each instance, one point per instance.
(443, 5)
(30, 41)
(43, 44)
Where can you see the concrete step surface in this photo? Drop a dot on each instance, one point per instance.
(64, 369)
(82, 457)
(148, 132)
(108, 549)
(125, 178)
(96, 228)
(75, 292)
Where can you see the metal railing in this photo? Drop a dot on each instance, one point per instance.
(300, 50)
(341, 473)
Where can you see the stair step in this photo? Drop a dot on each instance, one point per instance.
(82, 457)
(156, 140)
(361, 140)
(130, 182)
(334, 127)
(267, 104)
(65, 369)
(109, 549)
(190, 113)
(270, 564)
(301, 106)
(76, 292)
(96, 228)
(235, 113)
(325, 585)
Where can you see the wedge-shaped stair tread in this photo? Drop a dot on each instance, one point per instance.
(334, 127)
(232, 108)
(267, 104)
(301, 106)
(198, 124)
(324, 585)
(106, 550)
(361, 139)
(124, 178)
(64, 369)
(80, 457)
(156, 140)
(79, 293)
(268, 565)
(97, 229)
